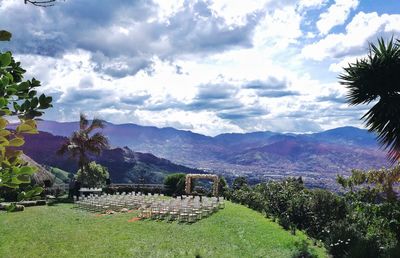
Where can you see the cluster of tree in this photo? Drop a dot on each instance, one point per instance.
(363, 222)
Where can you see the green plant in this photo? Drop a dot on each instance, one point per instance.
(380, 182)
(357, 224)
(222, 186)
(175, 183)
(239, 182)
(19, 99)
(376, 79)
(94, 175)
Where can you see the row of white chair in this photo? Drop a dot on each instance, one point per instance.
(182, 208)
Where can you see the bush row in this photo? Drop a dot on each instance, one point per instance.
(348, 225)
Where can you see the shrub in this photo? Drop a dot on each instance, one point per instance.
(222, 186)
(357, 224)
(303, 250)
(175, 183)
(40, 202)
(12, 207)
(94, 175)
(239, 182)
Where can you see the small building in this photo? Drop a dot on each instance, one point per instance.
(42, 177)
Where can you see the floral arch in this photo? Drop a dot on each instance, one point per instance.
(190, 177)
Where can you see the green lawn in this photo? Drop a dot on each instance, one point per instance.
(61, 231)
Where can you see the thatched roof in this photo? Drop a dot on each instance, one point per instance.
(41, 175)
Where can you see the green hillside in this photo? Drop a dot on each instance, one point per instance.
(61, 175)
(62, 231)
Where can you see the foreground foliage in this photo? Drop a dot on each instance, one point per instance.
(376, 79)
(18, 99)
(235, 231)
(362, 223)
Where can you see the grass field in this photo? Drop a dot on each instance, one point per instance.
(61, 231)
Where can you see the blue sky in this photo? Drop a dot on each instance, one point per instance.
(206, 66)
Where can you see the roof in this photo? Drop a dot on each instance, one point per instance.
(41, 175)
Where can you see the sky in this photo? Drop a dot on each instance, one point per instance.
(209, 66)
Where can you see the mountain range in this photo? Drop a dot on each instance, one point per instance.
(124, 165)
(317, 157)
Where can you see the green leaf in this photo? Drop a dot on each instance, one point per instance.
(3, 102)
(5, 80)
(24, 179)
(16, 106)
(4, 141)
(5, 111)
(32, 93)
(5, 59)
(28, 170)
(5, 35)
(4, 132)
(34, 102)
(35, 191)
(15, 180)
(11, 185)
(21, 196)
(23, 86)
(42, 99)
(30, 122)
(35, 83)
(16, 142)
(25, 128)
(3, 123)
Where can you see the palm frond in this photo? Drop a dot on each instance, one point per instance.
(376, 78)
(97, 143)
(63, 149)
(83, 122)
(96, 124)
(80, 143)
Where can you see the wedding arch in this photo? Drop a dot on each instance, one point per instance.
(191, 177)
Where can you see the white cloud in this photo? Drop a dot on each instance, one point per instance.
(168, 8)
(280, 27)
(364, 28)
(336, 14)
(189, 64)
(337, 67)
(303, 4)
(235, 12)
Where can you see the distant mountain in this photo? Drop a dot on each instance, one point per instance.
(177, 145)
(124, 165)
(346, 135)
(318, 157)
(308, 156)
(244, 139)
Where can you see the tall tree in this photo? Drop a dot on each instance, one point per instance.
(85, 141)
(376, 79)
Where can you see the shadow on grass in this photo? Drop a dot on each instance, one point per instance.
(303, 250)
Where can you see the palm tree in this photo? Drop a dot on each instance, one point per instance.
(84, 141)
(376, 79)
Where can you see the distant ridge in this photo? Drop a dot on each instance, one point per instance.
(317, 157)
(124, 165)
